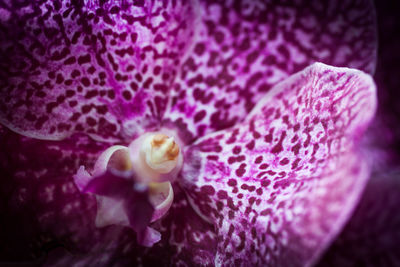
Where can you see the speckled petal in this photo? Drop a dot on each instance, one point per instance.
(279, 186)
(191, 240)
(42, 209)
(188, 241)
(103, 68)
(40, 205)
(372, 236)
(243, 48)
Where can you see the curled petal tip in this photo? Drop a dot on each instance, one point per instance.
(161, 197)
(82, 178)
(150, 237)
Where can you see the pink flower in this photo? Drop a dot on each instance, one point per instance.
(268, 166)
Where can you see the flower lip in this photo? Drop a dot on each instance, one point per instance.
(117, 189)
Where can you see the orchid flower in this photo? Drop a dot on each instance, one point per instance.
(186, 132)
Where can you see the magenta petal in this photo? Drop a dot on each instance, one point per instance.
(188, 241)
(191, 240)
(120, 186)
(88, 66)
(42, 209)
(139, 211)
(150, 237)
(41, 206)
(111, 184)
(110, 211)
(82, 178)
(243, 48)
(279, 186)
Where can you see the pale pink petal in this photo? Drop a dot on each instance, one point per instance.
(280, 186)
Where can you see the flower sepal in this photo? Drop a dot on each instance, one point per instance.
(121, 198)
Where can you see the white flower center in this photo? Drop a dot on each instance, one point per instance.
(161, 152)
(156, 157)
(153, 160)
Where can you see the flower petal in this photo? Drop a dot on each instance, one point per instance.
(161, 197)
(110, 211)
(243, 48)
(139, 210)
(150, 237)
(188, 241)
(191, 241)
(110, 185)
(372, 236)
(279, 186)
(42, 209)
(81, 66)
(39, 195)
(82, 178)
(122, 201)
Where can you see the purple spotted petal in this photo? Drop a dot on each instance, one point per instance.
(80, 66)
(243, 48)
(279, 186)
(42, 209)
(41, 206)
(191, 240)
(372, 236)
(186, 242)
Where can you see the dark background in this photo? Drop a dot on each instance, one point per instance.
(387, 74)
(372, 236)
